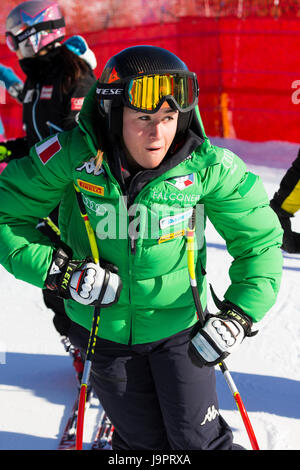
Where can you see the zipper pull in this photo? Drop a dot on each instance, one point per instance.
(133, 246)
(132, 235)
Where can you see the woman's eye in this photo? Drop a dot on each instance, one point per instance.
(144, 118)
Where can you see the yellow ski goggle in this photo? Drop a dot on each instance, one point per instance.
(146, 93)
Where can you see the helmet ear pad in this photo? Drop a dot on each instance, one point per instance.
(116, 121)
(184, 122)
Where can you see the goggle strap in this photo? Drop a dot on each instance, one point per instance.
(110, 91)
(51, 24)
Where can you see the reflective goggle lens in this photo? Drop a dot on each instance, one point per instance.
(11, 42)
(146, 93)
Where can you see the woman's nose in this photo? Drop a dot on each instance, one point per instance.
(156, 130)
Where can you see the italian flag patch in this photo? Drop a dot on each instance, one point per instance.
(182, 182)
(48, 149)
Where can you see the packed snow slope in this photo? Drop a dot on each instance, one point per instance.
(37, 381)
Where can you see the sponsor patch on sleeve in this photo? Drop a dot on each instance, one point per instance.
(76, 104)
(92, 188)
(46, 92)
(48, 149)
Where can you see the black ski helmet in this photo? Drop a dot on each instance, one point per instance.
(127, 70)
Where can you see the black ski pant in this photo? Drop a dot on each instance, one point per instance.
(61, 321)
(156, 398)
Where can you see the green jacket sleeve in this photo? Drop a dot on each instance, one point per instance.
(29, 191)
(237, 205)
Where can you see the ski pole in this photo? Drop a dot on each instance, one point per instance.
(190, 235)
(93, 331)
(240, 405)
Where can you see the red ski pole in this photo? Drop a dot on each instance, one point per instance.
(240, 405)
(85, 379)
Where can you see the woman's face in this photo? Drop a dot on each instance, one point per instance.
(148, 137)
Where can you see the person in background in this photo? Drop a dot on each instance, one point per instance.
(14, 85)
(286, 202)
(58, 76)
(142, 163)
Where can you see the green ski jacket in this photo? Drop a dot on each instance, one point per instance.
(142, 235)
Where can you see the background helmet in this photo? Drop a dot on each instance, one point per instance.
(143, 77)
(33, 25)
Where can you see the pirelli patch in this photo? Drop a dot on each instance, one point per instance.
(76, 104)
(91, 188)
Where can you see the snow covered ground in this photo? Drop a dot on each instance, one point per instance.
(37, 383)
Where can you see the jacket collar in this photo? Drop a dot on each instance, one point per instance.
(88, 119)
(195, 139)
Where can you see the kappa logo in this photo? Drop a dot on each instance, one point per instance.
(211, 414)
(91, 168)
(182, 182)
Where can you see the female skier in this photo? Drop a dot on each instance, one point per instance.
(144, 167)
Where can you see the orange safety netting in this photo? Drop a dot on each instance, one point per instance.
(84, 16)
(247, 68)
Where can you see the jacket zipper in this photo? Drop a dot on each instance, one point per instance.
(131, 245)
(132, 240)
(131, 236)
(129, 298)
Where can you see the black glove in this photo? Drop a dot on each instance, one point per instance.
(82, 280)
(221, 334)
(290, 240)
